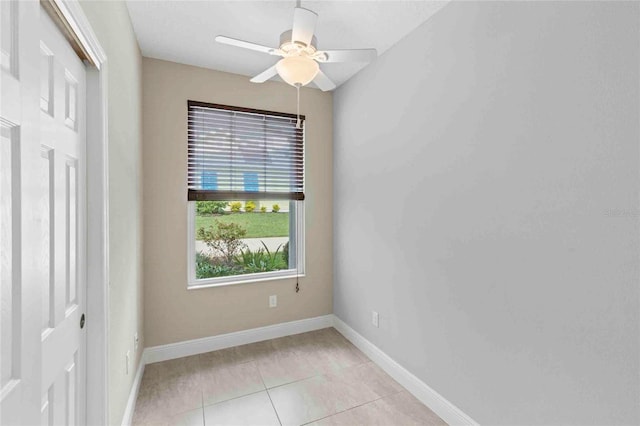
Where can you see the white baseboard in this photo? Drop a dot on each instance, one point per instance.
(214, 343)
(442, 407)
(429, 397)
(222, 341)
(133, 395)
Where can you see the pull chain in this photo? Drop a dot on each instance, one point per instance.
(298, 124)
(297, 251)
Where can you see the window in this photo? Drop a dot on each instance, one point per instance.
(245, 184)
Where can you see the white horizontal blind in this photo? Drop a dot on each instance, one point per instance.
(240, 153)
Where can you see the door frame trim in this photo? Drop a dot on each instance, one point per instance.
(72, 18)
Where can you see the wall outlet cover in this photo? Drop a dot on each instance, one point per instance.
(374, 319)
(273, 301)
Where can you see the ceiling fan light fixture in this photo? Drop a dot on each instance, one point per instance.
(297, 70)
(298, 47)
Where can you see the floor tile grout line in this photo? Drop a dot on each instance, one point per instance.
(268, 394)
(373, 400)
(234, 398)
(274, 408)
(356, 406)
(200, 382)
(241, 396)
(370, 402)
(316, 375)
(296, 381)
(293, 349)
(283, 384)
(344, 411)
(204, 419)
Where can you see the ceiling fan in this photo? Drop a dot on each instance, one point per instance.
(300, 55)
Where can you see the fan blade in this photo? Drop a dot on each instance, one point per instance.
(304, 24)
(350, 55)
(265, 75)
(245, 44)
(323, 82)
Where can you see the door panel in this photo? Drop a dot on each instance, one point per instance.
(10, 320)
(62, 138)
(9, 37)
(19, 332)
(46, 410)
(46, 236)
(42, 221)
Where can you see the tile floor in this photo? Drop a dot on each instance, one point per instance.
(315, 378)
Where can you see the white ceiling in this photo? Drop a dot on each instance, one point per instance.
(184, 31)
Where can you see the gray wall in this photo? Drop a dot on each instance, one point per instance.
(504, 257)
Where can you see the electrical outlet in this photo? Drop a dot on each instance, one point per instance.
(128, 360)
(135, 342)
(374, 318)
(273, 301)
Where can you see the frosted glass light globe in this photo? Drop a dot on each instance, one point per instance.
(297, 70)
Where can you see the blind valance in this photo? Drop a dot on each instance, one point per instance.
(243, 154)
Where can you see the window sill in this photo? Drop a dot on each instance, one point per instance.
(243, 279)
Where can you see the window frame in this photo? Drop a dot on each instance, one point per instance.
(193, 283)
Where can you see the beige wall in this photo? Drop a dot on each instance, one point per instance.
(173, 313)
(111, 23)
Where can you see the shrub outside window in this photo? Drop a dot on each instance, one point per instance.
(247, 240)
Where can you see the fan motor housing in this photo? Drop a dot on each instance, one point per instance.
(292, 47)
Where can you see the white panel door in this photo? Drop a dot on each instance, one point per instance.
(62, 219)
(20, 268)
(42, 184)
